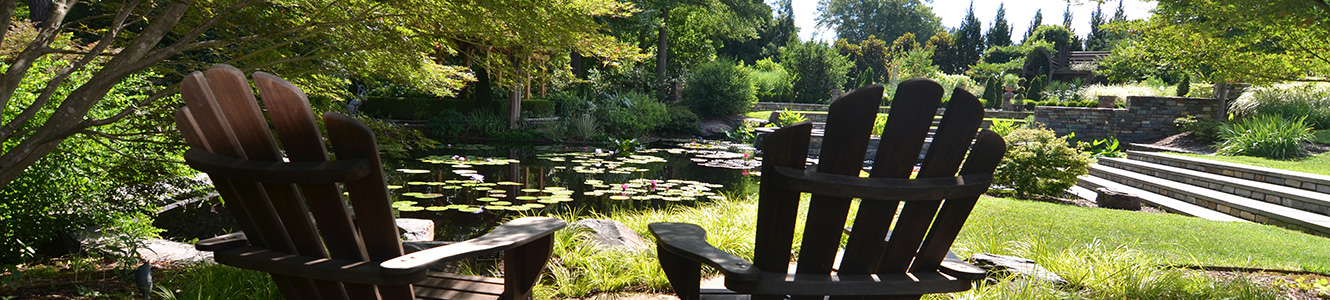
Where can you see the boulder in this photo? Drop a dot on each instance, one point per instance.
(170, 252)
(1002, 264)
(1117, 200)
(416, 230)
(610, 233)
(715, 128)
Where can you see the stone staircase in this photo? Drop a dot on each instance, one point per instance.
(1217, 190)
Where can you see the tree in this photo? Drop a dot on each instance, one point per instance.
(870, 58)
(1066, 16)
(772, 35)
(1251, 41)
(969, 38)
(944, 53)
(1096, 40)
(999, 34)
(816, 68)
(1038, 20)
(856, 20)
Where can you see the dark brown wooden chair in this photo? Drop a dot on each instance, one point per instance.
(901, 260)
(296, 224)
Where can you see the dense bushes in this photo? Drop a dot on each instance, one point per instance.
(771, 83)
(818, 67)
(1266, 136)
(630, 114)
(402, 108)
(718, 88)
(1038, 162)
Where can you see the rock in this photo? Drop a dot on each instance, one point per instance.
(169, 252)
(612, 234)
(1119, 200)
(416, 230)
(1003, 264)
(715, 127)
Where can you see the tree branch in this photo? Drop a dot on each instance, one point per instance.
(120, 137)
(54, 83)
(130, 109)
(6, 13)
(117, 151)
(25, 59)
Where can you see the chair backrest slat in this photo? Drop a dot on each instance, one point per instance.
(843, 148)
(288, 108)
(369, 195)
(249, 200)
(778, 207)
(984, 157)
(950, 143)
(898, 150)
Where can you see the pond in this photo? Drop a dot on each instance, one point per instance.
(467, 189)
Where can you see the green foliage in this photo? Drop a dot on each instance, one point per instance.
(788, 117)
(999, 33)
(945, 55)
(1248, 41)
(771, 83)
(1133, 62)
(1004, 54)
(718, 88)
(1184, 86)
(870, 57)
(682, 121)
(1004, 126)
(403, 108)
(1037, 60)
(214, 282)
(1059, 36)
(1035, 91)
(817, 69)
(1293, 100)
(993, 93)
(102, 177)
(1266, 136)
(856, 20)
(1109, 147)
(969, 39)
(1204, 128)
(1039, 163)
(630, 114)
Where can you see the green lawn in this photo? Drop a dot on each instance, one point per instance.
(1316, 164)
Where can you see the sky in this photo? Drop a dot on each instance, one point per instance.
(1019, 14)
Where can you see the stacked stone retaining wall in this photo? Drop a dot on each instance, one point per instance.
(1145, 118)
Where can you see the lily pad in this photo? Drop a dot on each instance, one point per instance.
(413, 171)
(469, 209)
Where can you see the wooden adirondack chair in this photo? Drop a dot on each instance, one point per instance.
(296, 224)
(909, 258)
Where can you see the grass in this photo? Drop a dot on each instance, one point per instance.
(1315, 164)
(1102, 253)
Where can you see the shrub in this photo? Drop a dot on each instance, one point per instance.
(1203, 128)
(1035, 91)
(1038, 162)
(787, 117)
(1266, 136)
(1287, 100)
(771, 83)
(1004, 54)
(718, 88)
(630, 114)
(1184, 86)
(816, 69)
(682, 121)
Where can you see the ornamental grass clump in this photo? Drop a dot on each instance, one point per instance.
(1266, 136)
(1310, 100)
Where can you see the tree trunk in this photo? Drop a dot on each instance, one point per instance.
(662, 44)
(515, 95)
(575, 62)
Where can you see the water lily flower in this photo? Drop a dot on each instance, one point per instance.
(477, 177)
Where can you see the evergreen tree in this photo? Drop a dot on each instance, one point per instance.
(1184, 86)
(1066, 16)
(1120, 15)
(1034, 24)
(944, 53)
(999, 34)
(1096, 40)
(969, 39)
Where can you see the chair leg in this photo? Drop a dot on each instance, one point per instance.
(685, 275)
(522, 267)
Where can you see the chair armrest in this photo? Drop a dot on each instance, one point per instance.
(690, 242)
(222, 242)
(959, 268)
(510, 235)
(263, 260)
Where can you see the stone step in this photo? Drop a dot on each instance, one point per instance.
(1089, 183)
(1272, 193)
(1249, 209)
(1300, 180)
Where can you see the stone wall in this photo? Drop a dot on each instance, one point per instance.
(1145, 118)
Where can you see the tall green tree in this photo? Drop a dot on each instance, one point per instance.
(969, 38)
(1098, 38)
(1066, 16)
(856, 20)
(999, 34)
(1246, 40)
(778, 30)
(945, 53)
(1034, 23)
(870, 58)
